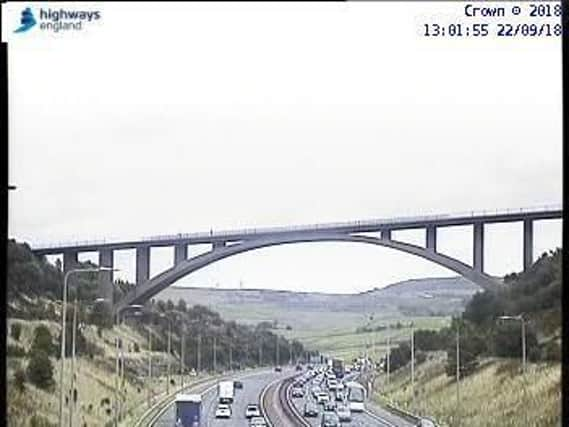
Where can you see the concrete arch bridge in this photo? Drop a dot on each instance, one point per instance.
(225, 244)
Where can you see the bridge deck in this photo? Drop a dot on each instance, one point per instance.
(363, 226)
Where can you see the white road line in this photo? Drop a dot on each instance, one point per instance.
(262, 398)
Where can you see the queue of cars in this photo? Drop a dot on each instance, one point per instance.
(226, 395)
(322, 389)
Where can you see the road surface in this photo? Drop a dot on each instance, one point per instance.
(253, 384)
(377, 418)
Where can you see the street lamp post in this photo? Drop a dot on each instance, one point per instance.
(199, 355)
(523, 322)
(63, 331)
(214, 355)
(412, 364)
(149, 378)
(457, 370)
(73, 337)
(164, 316)
(277, 353)
(388, 351)
(72, 401)
(117, 356)
(182, 359)
(122, 366)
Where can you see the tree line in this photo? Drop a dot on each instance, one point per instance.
(535, 294)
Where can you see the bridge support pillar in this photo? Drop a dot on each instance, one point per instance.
(528, 243)
(478, 246)
(70, 260)
(180, 253)
(106, 277)
(218, 245)
(432, 238)
(386, 234)
(142, 264)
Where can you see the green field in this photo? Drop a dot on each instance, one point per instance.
(348, 344)
(333, 333)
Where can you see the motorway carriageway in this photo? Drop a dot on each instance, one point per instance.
(253, 385)
(377, 418)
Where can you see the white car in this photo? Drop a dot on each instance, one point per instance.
(322, 397)
(223, 411)
(257, 422)
(315, 391)
(425, 422)
(344, 413)
(252, 410)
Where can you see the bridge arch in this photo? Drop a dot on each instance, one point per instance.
(144, 291)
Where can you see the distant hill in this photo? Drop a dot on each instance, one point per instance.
(447, 286)
(441, 296)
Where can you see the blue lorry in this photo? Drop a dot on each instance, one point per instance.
(188, 410)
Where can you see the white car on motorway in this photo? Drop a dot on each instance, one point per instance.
(344, 413)
(223, 411)
(315, 391)
(252, 410)
(322, 397)
(257, 422)
(426, 422)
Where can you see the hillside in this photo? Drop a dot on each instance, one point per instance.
(446, 296)
(34, 335)
(496, 386)
(490, 364)
(332, 323)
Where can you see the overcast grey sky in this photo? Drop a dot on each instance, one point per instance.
(167, 118)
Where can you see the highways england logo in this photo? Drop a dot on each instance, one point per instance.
(57, 20)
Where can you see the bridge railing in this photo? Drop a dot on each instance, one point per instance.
(228, 234)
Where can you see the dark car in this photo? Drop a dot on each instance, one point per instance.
(278, 369)
(297, 392)
(299, 367)
(237, 384)
(310, 410)
(330, 419)
(330, 406)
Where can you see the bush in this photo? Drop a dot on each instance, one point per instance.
(507, 341)
(20, 380)
(399, 356)
(15, 331)
(420, 357)
(40, 370)
(39, 421)
(428, 340)
(101, 316)
(552, 351)
(15, 351)
(43, 341)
